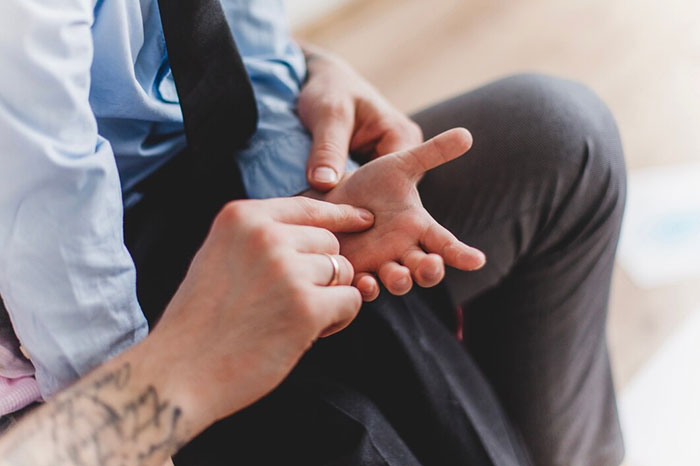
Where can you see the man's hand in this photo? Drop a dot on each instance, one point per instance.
(406, 244)
(345, 113)
(256, 298)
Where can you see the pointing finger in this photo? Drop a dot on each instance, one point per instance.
(306, 211)
(436, 151)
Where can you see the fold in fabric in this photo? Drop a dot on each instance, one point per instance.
(18, 387)
(16, 394)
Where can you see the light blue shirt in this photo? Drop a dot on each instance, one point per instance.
(88, 108)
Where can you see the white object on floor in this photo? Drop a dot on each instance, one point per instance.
(660, 407)
(660, 241)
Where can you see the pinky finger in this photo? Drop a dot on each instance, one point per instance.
(345, 303)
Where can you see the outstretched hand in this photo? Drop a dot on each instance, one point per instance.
(405, 244)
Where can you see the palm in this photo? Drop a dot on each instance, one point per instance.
(405, 239)
(400, 219)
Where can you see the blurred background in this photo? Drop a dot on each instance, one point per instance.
(643, 59)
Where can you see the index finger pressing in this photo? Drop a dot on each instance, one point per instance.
(338, 218)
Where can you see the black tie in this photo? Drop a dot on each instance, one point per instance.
(166, 228)
(216, 96)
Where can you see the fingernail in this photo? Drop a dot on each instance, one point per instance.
(403, 282)
(368, 293)
(325, 175)
(482, 258)
(432, 272)
(365, 214)
(467, 256)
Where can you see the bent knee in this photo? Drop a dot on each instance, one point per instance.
(561, 127)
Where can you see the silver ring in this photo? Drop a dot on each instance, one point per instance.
(336, 271)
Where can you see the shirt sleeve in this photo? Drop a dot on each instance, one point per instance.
(274, 163)
(66, 278)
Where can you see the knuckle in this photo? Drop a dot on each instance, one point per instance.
(410, 257)
(301, 303)
(339, 109)
(265, 236)
(439, 147)
(310, 207)
(233, 213)
(279, 267)
(328, 151)
(413, 159)
(380, 125)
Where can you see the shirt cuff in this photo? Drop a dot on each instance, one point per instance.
(275, 166)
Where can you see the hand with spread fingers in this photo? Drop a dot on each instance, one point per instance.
(406, 244)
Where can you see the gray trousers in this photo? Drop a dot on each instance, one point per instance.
(542, 193)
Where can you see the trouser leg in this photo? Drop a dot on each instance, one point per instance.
(542, 194)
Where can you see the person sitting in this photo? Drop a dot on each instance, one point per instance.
(127, 132)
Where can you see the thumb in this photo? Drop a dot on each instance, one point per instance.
(441, 149)
(329, 150)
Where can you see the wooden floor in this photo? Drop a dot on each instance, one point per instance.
(641, 56)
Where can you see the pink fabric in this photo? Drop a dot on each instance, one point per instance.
(18, 387)
(15, 394)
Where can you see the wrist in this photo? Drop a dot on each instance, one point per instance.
(158, 360)
(123, 409)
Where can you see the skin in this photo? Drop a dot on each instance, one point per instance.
(344, 113)
(256, 295)
(254, 300)
(405, 244)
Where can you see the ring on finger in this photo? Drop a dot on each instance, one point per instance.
(336, 271)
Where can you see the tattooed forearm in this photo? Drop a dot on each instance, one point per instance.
(106, 422)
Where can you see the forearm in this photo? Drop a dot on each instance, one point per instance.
(125, 412)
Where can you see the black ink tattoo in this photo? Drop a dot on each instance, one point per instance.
(85, 426)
